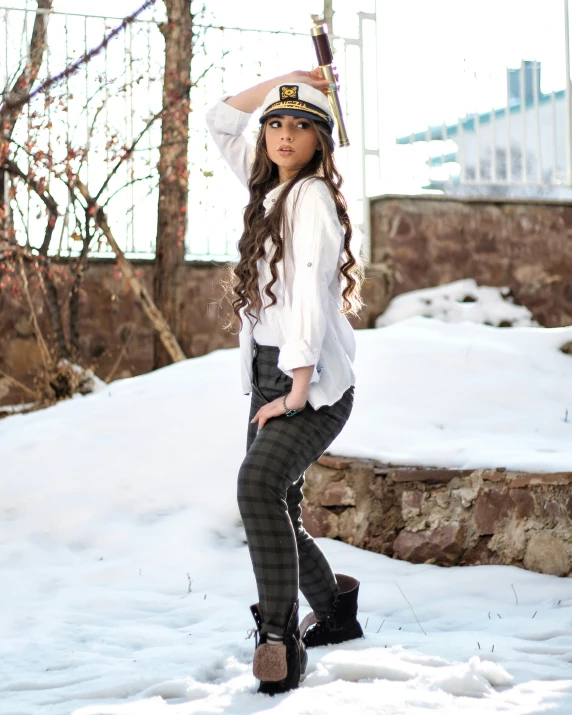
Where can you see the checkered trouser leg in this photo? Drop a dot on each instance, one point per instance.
(284, 556)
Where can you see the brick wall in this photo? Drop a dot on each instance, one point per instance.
(115, 332)
(427, 241)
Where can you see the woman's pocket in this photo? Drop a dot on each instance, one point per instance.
(273, 387)
(269, 382)
(341, 410)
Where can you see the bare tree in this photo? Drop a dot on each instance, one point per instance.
(22, 85)
(26, 270)
(173, 167)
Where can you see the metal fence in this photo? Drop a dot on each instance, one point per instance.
(100, 110)
(110, 101)
(505, 134)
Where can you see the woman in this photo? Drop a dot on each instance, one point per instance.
(296, 358)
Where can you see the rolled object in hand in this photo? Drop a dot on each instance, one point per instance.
(325, 59)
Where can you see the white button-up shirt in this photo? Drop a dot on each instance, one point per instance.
(306, 323)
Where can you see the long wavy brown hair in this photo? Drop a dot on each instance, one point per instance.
(241, 279)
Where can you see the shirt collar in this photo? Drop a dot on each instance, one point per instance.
(273, 195)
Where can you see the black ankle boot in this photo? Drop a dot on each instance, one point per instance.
(279, 667)
(341, 623)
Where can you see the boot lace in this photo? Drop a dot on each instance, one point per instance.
(319, 628)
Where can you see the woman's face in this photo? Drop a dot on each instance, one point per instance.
(290, 142)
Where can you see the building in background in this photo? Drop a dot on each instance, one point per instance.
(515, 150)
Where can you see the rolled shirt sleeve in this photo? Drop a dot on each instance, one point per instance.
(226, 125)
(317, 241)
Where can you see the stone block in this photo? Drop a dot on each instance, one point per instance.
(362, 479)
(493, 475)
(380, 544)
(510, 543)
(479, 553)
(549, 554)
(353, 526)
(528, 480)
(431, 476)
(441, 498)
(334, 462)
(491, 507)
(317, 479)
(444, 544)
(338, 494)
(420, 523)
(524, 502)
(411, 503)
(466, 495)
(555, 510)
(319, 522)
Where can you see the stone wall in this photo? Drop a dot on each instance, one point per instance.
(441, 516)
(526, 245)
(425, 241)
(116, 338)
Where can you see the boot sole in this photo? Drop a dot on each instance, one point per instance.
(304, 663)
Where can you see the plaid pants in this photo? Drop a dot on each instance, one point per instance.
(284, 556)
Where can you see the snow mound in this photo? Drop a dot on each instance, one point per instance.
(462, 395)
(474, 678)
(456, 302)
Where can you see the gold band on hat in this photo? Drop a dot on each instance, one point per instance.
(296, 104)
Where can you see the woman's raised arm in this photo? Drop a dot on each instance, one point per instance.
(228, 118)
(252, 98)
(226, 125)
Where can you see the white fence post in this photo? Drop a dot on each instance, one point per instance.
(568, 91)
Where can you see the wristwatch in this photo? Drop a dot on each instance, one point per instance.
(291, 413)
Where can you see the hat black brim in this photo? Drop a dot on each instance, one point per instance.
(296, 113)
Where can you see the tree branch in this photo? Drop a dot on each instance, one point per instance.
(48, 200)
(149, 308)
(11, 104)
(10, 109)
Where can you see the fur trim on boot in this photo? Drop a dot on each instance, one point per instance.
(279, 666)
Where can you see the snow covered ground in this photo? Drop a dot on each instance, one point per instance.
(125, 581)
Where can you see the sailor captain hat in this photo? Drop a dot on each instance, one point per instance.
(298, 100)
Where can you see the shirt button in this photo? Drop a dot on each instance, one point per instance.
(309, 264)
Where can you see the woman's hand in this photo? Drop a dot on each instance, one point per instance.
(250, 99)
(276, 408)
(314, 78)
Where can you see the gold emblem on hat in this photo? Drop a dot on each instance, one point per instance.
(288, 91)
(291, 104)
